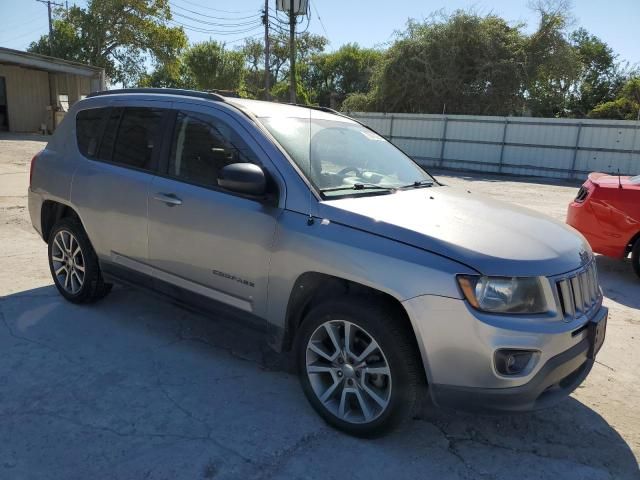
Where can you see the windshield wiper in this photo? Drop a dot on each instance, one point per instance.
(417, 184)
(360, 186)
(373, 186)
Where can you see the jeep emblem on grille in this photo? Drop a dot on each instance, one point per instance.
(584, 257)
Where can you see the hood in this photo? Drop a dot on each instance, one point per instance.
(493, 237)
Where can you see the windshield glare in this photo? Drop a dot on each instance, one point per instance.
(338, 155)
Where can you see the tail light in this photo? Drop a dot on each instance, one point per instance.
(33, 164)
(582, 194)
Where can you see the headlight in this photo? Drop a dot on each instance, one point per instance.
(504, 294)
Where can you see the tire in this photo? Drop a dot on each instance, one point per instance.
(635, 257)
(331, 378)
(78, 277)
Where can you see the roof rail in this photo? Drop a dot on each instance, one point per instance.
(328, 110)
(168, 91)
(315, 107)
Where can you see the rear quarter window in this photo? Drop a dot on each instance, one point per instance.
(89, 130)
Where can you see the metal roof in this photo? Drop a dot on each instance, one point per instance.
(49, 64)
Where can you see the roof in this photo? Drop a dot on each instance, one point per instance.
(257, 108)
(49, 64)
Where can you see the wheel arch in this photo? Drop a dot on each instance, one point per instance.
(312, 288)
(51, 213)
(632, 242)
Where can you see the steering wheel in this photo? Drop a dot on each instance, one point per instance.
(346, 170)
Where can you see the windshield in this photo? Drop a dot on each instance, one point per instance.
(344, 158)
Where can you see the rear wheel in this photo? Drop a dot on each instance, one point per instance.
(635, 257)
(73, 263)
(358, 366)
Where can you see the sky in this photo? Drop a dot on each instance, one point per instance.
(370, 23)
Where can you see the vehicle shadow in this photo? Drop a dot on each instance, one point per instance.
(618, 280)
(134, 384)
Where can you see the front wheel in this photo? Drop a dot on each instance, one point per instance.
(635, 257)
(358, 366)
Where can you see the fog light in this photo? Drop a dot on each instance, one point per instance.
(512, 362)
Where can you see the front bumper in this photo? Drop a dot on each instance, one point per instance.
(556, 380)
(458, 349)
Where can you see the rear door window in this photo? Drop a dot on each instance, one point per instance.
(89, 130)
(138, 137)
(110, 132)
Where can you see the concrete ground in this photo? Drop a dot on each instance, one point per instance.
(133, 387)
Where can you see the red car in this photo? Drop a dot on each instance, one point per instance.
(607, 212)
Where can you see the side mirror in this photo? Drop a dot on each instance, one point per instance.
(245, 178)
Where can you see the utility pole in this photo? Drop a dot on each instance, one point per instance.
(292, 53)
(267, 68)
(49, 3)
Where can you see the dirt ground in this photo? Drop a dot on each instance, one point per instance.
(134, 387)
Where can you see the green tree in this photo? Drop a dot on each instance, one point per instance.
(203, 66)
(463, 63)
(210, 66)
(177, 76)
(358, 102)
(333, 76)
(307, 46)
(118, 35)
(253, 51)
(600, 77)
(624, 107)
(552, 68)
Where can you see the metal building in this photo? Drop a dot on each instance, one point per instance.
(546, 147)
(37, 90)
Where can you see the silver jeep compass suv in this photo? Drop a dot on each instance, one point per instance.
(382, 281)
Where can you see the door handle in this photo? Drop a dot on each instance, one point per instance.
(168, 198)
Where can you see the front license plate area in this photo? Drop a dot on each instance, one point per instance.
(597, 332)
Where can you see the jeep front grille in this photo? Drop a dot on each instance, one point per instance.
(579, 292)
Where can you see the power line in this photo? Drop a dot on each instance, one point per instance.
(207, 7)
(211, 16)
(48, 3)
(216, 24)
(319, 19)
(198, 29)
(25, 34)
(226, 42)
(20, 24)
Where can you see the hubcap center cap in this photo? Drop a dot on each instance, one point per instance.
(348, 370)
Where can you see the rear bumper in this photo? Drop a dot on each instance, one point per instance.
(35, 208)
(580, 216)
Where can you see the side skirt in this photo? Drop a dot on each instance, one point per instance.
(114, 273)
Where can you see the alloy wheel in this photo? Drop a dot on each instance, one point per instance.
(68, 262)
(348, 371)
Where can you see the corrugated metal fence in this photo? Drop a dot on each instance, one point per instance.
(549, 147)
